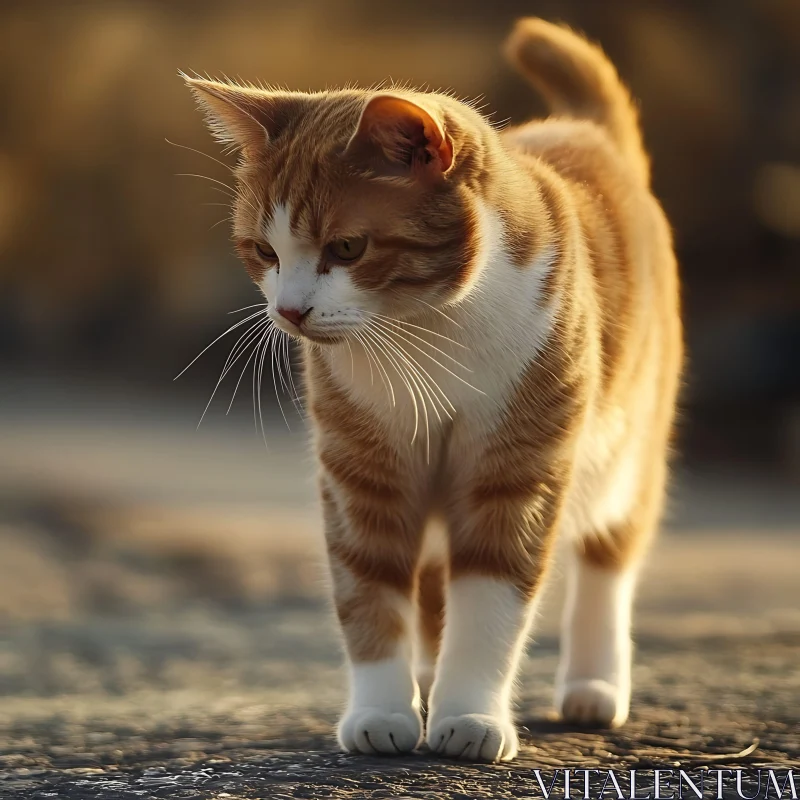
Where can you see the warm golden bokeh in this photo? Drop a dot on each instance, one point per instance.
(105, 251)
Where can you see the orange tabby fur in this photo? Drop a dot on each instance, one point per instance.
(576, 444)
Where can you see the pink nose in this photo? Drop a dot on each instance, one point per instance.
(294, 315)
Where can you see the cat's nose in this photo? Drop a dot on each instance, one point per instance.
(294, 315)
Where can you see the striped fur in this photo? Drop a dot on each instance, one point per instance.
(503, 359)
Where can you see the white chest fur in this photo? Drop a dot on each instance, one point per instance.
(465, 360)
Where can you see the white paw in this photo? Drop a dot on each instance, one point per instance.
(594, 703)
(376, 731)
(474, 737)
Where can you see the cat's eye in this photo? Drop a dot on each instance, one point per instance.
(266, 252)
(348, 249)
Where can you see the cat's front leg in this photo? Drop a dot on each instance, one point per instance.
(501, 535)
(373, 540)
(471, 714)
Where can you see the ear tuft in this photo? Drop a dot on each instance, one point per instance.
(404, 134)
(243, 117)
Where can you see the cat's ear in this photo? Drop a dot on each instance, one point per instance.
(241, 116)
(407, 136)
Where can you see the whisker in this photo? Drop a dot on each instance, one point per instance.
(229, 194)
(412, 379)
(244, 369)
(277, 344)
(235, 194)
(241, 345)
(294, 395)
(360, 340)
(230, 361)
(425, 376)
(385, 322)
(255, 367)
(439, 363)
(273, 359)
(217, 224)
(369, 360)
(264, 343)
(437, 310)
(410, 387)
(420, 328)
(255, 305)
(206, 178)
(208, 347)
(200, 153)
(352, 363)
(389, 337)
(249, 199)
(382, 372)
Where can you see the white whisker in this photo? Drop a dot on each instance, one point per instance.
(360, 340)
(424, 380)
(369, 360)
(255, 305)
(411, 380)
(217, 224)
(386, 322)
(236, 194)
(420, 328)
(435, 361)
(287, 358)
(230, 361)
(272, 341)
(206, 178)
(352, 363)
(264, 346)
(437, 310)
(200, 153)
(424, 376)
(208, 347)
(382, 372)
(244, 369)
(241, 344)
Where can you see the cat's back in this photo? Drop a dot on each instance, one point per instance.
(591, 167)
(583, 177)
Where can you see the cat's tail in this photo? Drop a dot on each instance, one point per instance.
(577, 80)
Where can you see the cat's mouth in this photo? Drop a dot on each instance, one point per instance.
(323, 337)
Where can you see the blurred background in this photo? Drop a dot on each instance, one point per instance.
(112, 268)
(116, 270)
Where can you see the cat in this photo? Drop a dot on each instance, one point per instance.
(491, 337)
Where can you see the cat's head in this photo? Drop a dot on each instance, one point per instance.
(352, 203)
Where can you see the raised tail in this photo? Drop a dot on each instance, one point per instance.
(577, 80)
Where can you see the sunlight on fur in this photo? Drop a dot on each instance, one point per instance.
(491, 341)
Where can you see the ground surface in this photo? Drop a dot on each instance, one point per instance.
(164, 630)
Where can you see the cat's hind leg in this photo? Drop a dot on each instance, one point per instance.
(593, 683)
(430, 588)
(430, 612)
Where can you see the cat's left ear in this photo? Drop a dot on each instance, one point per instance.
(408, 137)
(242, 116)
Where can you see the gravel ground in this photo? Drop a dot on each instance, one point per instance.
(164, 632)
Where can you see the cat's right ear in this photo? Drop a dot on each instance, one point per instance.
(408, 138)
(243, 117)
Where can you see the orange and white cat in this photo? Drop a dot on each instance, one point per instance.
(490, 329)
